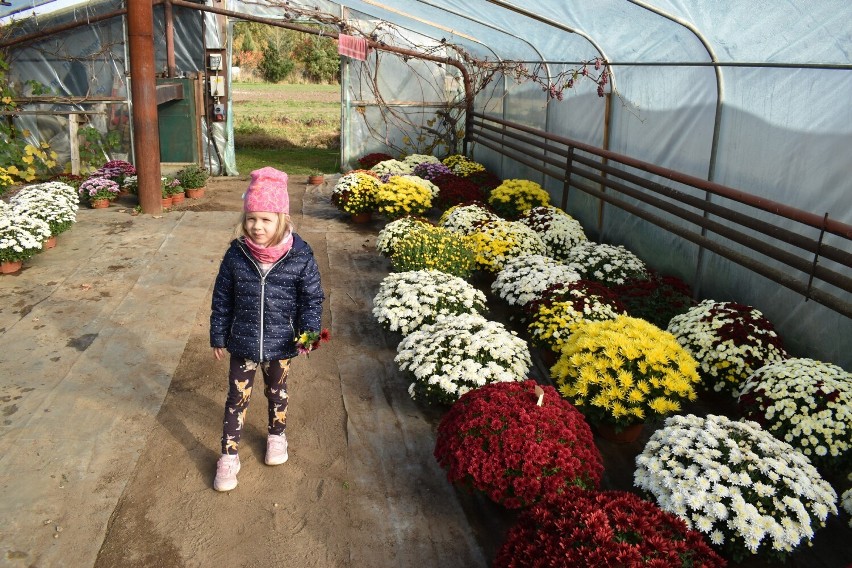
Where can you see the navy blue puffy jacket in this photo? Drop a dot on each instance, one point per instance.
(257, 317)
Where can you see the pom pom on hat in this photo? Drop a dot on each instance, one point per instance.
(267, 191)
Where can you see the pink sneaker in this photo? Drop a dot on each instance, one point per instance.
(276, 449)
(226, 472)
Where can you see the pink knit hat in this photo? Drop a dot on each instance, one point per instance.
(267, 191)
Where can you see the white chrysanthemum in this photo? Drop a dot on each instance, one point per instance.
(408, 300)
(607, 264)
(763, 514)
(395, 231)
(808, 403)
(729, 340)
(414, 160)
(21, 235)
(460, 353)
(393, 167)
(54, 203)
(524, 278)
(558, 230)
(433, 189)
(847, 504)
(466, 219)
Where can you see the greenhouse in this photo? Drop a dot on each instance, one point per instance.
(692, 147)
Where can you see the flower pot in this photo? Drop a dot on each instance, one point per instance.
(195, 192)
(628, 434)
(177, 198)
(167, 201)
(315, 179)
(10, 266)
(50, 242)
(99, 203)
(362, 217)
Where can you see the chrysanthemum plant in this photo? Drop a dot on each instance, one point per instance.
(433, 248)
(807, 404)
(96, 188)
(624, 371)
(519, 443)
(406, 301)
(370, 160)
(392, 232)
(400, 197)
(558, 230)
(561, 307)
(462, 165)
(752, 494)
(603, 528)
(608, 264)
(514, 197)
(524, 278)
(392, 167)
(455, 190)
(466, 219)
(55, 205)
(21, 235)
(655, 297)
(355, 193)
(457, 354)
(495, 242)
(729, 340)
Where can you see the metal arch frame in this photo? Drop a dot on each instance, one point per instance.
(498, 29)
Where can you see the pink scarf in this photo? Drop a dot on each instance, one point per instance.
(269, 255)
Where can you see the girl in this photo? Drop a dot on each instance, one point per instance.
(266, 294)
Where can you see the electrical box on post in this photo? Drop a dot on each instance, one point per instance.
(215, 62)
(218, 112)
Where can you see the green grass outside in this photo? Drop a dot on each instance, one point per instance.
(295, 128)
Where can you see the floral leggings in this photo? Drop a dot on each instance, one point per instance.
(240, 383)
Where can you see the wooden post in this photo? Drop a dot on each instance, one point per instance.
(74, 144)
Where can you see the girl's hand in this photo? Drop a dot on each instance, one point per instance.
(218, 353)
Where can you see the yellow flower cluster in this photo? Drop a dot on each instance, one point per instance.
(552, 325)
(462, 166)
(497, 241)
(433, 248)
(5, 179)
(624, 371)
(359, 194)
(401, 196)
(513, 197)
(34, 159)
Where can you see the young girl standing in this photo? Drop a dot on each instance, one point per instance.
(267, 293)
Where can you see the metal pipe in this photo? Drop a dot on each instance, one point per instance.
(171, 67)
(61, 28)
(140, 32)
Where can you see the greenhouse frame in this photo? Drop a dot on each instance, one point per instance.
(707, 137)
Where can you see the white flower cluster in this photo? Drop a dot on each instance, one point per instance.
(394, 232)
(607, 264)
(846, 500)
(525, 277)
(459, 353)
(727, 361)
(353, 179)
(408, 300)
(806, 403)
(558, 230)
(21, 235)
(414, 160)
(433, 189)
(55, 203)
(735, 483)
(465, 219)
(393, 167)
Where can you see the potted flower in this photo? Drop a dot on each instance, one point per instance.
(552, 316)
(459, 353)
(131, 185)
(392, 167)
(406, 301)
(495, 242)
(391, 233)
(462, 166)
(193, 179)
(729, 340)
(608, 264)
(519, 443)
(433, 248)
(513, 197)
(624, 372)
(414, 160)
(169, 188)
(523, 278)
(558, 230)
(846, 502)
(603, 528)
(466, 219)
(316, 177)
(655, 298)
(751, 493)
(355, 194)
(456, 190)
(53, 202)
(430, 170)
(370, 160)
(806, 403)
(98, 191)
(116, 170)
(401, 196)
(21, 237)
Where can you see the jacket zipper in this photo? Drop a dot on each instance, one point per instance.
(263, 293)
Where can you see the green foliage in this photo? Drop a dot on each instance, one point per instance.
(193, 176)
(320, 58)
(95, 148)
(275, 66)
